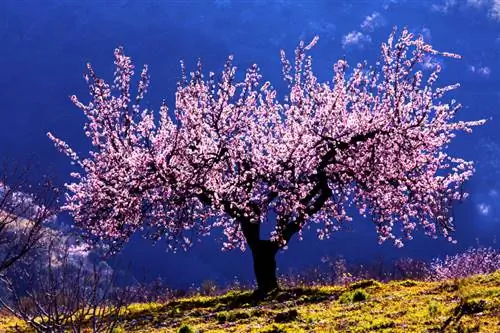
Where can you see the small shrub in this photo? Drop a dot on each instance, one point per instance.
(208, 287)
(221, 316)
(186, 329)
(285, 317)
(345, 298)
(357, 295)
(240, 315)
(433, 309)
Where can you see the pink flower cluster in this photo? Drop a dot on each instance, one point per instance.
(482, 260)
(232, 151)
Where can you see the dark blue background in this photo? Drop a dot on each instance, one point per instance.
(44, 46)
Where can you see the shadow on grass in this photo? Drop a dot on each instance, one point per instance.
(203, 306)
(244, 299)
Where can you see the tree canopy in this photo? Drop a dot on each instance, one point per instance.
(232, 153)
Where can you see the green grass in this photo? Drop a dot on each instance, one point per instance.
(465, 305)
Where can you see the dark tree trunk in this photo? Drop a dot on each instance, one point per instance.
(264, 265)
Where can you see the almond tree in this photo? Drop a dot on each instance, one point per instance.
(25, 212)
(234, 155)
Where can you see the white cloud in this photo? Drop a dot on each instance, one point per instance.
(355, 38)
(483, 71)
(445, 6)
(483, 209)
(492, 6)
(321, 28)
(494, 11)
(388, 3)
(360, 39)
(477, 3)
(426, 33)
(430, 62)
(372, 22)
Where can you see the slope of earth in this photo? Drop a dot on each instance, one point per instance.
(462, 305)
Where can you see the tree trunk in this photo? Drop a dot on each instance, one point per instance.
(264, 265)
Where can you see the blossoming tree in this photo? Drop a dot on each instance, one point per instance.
(233, 155)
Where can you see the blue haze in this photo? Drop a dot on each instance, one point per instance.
(44, 46)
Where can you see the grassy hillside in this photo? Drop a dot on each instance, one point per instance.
(463, 305)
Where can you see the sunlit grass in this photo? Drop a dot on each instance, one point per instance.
(8, 322)
(462, 305)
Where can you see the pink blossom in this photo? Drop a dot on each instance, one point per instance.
(231, 151)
